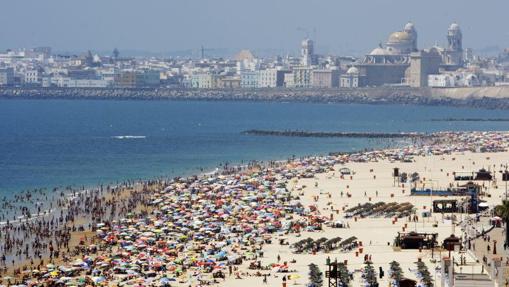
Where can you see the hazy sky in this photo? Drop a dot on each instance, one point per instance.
(342, 26)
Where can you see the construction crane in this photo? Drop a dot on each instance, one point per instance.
(203, 50)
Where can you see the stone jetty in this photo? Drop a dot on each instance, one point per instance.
(296, 133)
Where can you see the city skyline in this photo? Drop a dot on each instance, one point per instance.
(163, 27)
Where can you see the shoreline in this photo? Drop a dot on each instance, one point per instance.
(396, 142)
(131, 183)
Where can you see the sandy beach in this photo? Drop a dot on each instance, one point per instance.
(377, 234)
(239, 227)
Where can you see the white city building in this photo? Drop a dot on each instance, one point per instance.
(66, 82)
(302, 77)
(32, 77)
(441, 81)
(202, 81)
(267, 78)
(249, 79)
(6, 76)
(289, 80)
(350, 79)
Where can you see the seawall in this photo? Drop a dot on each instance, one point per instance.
(485, 97)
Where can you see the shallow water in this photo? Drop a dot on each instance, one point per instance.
(47, 143)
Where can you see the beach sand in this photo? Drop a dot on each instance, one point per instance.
(377, 234)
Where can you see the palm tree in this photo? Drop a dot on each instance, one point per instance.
(315, 275)
(503, 211)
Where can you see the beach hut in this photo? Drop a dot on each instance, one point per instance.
(345, 171)
(445, 206)
(496, 221)
(483, 175)
(414, 240)
(338, 224)
(450, 242)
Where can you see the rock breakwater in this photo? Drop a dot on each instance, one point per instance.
(495, 98)
(295, 133)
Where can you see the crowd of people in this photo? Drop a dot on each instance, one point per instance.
(194, 231)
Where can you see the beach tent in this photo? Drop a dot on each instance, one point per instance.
(496, 221)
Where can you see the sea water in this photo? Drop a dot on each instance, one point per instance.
(50, 143)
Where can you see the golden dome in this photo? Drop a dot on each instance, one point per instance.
(399, 37)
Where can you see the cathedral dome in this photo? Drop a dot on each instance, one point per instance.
(409, 27)
(454, 27)
(352, 71)
(244, 55)
(399, 37)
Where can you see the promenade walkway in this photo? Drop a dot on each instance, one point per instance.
(489, 247)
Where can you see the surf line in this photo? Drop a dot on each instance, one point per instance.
(128, 137)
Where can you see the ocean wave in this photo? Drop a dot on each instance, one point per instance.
(128, 137)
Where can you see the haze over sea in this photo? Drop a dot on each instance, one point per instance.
(48, 143)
